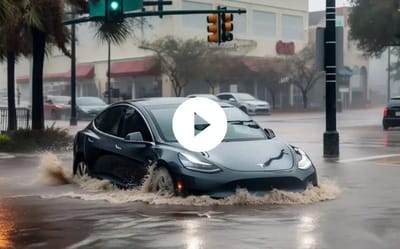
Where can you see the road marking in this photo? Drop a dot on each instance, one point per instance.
(6, 156)
(367, 158)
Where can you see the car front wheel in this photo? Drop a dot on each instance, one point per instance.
(162, 182)
(81, 169)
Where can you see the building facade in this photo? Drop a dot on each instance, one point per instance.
(352, 66)
(268, 26)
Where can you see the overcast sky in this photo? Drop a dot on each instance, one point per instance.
(315, 5)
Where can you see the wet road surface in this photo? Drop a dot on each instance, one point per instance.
(38, 211)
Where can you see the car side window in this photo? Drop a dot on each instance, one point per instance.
(224, 96)
(109, 121)
(133, 121)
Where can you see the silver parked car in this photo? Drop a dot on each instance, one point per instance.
(204, 95)
(246, 102)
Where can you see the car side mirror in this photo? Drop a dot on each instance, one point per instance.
(232, 100)
(270, 133)
(134, 136)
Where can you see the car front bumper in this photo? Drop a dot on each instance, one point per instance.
(259, 111)
(227, 182)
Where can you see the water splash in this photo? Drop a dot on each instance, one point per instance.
(53, 173)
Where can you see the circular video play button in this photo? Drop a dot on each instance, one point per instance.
(199, 124)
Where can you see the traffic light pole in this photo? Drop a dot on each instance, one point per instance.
(331, 136)
(109, 72)
(155, 13)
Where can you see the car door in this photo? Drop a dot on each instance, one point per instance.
(101, 144)
(136, 153)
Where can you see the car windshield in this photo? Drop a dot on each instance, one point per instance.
(89, 101)
(240, 126)
(244, 97)
(395, 99)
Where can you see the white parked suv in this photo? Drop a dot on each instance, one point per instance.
(246, 102)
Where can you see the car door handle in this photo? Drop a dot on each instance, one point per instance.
(117, 147)
(90, 140)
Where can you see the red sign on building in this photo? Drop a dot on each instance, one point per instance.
(285, 48)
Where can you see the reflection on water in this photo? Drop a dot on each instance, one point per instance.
(6, 227)
(306, 232)
(192, 238)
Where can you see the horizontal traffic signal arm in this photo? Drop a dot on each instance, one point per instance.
(155, 13)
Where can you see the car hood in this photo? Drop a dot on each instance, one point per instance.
(93, 108)
(256, 155)
(255, 102)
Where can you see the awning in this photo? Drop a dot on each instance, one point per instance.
(82, 72)
(135, 68)
(345, 71)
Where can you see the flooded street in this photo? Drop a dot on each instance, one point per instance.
(355, 206)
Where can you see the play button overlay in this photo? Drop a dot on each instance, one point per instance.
(199, 124)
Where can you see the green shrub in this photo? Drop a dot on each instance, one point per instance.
(5, 142)
(25, 140)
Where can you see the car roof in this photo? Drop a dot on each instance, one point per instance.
(162, 101)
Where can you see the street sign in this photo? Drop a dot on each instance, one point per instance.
(131, 5)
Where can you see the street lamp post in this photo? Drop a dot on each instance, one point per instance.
(388, 76)
(73, 120)
(331, 136)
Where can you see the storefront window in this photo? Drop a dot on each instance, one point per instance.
(264, 24)
(292, 27)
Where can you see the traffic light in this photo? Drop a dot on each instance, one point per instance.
(226, 27)
(114, 11)
(97, 8)
(213, 28)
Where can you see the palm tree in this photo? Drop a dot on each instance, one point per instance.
(42, 24)
(12, 45)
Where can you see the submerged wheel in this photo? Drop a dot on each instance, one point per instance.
(81, 169)
(162, 182)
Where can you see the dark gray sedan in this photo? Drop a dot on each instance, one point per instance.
(123, 140)
(391, 113)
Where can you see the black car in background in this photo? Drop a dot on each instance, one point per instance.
(123, 140)
(391, 113)
(88, 107)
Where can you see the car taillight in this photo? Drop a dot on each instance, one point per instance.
(385, 112)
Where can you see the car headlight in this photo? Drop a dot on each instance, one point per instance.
(191, 162)
(304, 162)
